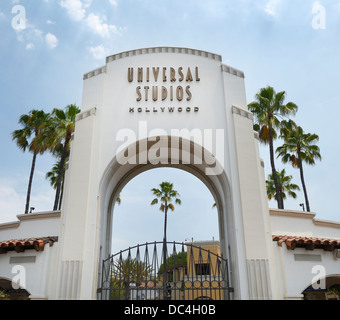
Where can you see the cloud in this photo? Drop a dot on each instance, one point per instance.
(30, 46)
(51, 40)
(13, 196)
(270, 8)
(113, 2)
(96, 24)
(76, 8)
(98, 52)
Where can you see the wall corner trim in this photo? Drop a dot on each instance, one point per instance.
(243, 113)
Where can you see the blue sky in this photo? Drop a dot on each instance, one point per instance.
(290, 45)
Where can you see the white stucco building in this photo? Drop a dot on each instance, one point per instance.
(168, 107)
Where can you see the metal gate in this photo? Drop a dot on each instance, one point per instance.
(165, 271)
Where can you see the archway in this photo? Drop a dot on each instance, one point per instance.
(105, 157)
(135, 221)
(170, 155)
(7, 292)
(327, 288)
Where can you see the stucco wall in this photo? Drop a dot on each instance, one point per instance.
(297, 269)
(35, 269)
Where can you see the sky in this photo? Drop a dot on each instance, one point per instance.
(48, 45)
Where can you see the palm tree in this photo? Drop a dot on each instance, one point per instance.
(166, 194)
(29, 137)
(285, 185)
(298, 147)
(269, 109)
(125, 272)
(52, 176)
(59, 141)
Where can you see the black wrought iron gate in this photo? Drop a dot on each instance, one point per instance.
(165, 271)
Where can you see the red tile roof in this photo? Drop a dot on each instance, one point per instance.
(20, 245)
(309, 243)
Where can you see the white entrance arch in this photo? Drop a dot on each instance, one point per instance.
(196, 106)
(117, 176)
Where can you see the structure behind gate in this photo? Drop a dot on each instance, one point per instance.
(166, 271)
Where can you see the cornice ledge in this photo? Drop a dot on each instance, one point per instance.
(151, 50)
(9, 225)
(40, 215)
(86, 114)
(292, 213)
(233, 71)
(326, 223)
(243, 113)
(94, 73)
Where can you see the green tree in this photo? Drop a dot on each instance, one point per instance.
(175, 261)
(30, 137)
(269, 109)
(52, 176)
(126, 272)
(298, 148)
(59, 141)
(166, 194)
(285, 186)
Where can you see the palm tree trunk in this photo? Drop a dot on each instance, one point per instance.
(303, 184)
(281, 196)
(61, 193)
(28, 197)
(165, 220)
(60, 175)
(272, 162)
(165, 271)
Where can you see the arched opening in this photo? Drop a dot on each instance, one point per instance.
(327, 288)
(207, 169)
(7, 292)
(135, 221)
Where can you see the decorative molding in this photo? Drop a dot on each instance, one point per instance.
(151, 50)
(10, 225)
(243, 113)
(40, 215)
(94, 73)
(291, 213)
(326, 223)
(180, 50)
(86, 114)
(233, 71)
(307, 215)
(259, 281)
(69, 285)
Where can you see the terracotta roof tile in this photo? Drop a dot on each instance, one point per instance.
(309, 243)
(20, 245)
